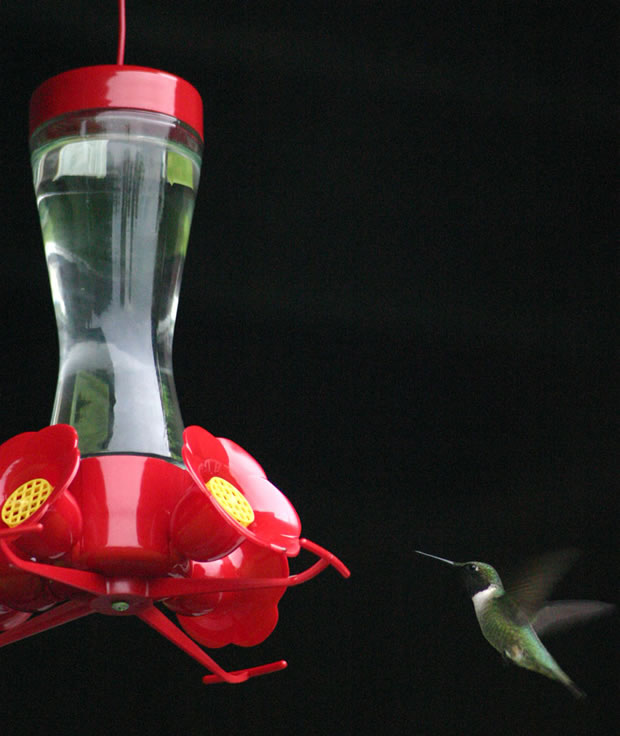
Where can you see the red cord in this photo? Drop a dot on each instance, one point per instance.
(120, 56)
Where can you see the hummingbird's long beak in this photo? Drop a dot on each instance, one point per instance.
(441, 559)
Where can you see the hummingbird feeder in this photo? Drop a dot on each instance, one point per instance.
(116, 508)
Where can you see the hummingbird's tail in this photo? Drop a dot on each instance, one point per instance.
(543, 663)
(575, 690)
(556, 673)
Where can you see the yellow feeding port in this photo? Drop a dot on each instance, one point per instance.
(25, 501)
(231, 500)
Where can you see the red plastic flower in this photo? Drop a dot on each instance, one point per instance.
(35, 470)
(243, 617)
(234, 502)
(220, 534)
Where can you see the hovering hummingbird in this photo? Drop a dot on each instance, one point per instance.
(511, 619)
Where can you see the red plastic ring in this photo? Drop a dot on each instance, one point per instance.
(112, 86)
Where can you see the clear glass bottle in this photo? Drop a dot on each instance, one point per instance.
(115, 188)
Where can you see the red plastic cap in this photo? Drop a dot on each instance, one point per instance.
(111, 86)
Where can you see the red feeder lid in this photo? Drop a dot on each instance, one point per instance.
(112, 86)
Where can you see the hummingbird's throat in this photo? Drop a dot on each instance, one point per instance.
(482, 598)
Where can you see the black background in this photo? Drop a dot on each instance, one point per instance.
(398, 296)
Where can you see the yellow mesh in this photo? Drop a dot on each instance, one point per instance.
(231, 500)
(25, 500)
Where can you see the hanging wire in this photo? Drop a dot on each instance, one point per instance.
(120, 56)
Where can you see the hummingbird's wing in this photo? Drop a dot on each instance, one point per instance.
(564, 614)
(532, 587)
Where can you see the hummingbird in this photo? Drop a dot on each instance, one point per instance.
(512, 618)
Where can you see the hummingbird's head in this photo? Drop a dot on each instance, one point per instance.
(478, 576)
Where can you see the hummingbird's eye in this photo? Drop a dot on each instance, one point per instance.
(472, 567)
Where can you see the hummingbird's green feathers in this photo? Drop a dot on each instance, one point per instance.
(560, 615)
(519, 644)
(531, 588)
(495, 619)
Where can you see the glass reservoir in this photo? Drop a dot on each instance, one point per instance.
(115, 191)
